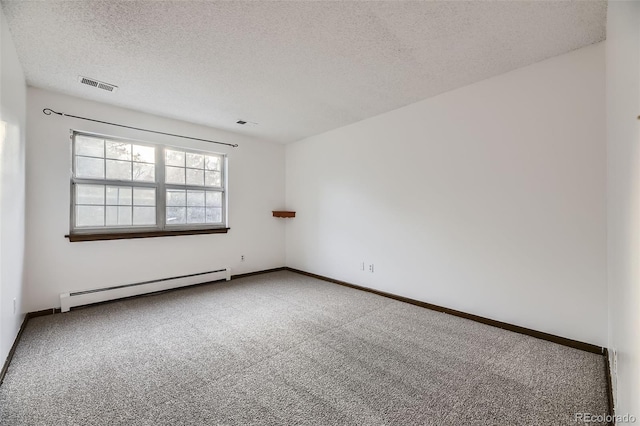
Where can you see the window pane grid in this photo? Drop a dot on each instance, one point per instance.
(190, 206)
(114, 206)
(193, 169)
(191, 188)
(117, 161)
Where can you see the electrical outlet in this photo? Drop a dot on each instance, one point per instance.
(371, 268)
(614, 367)
(242, 258)
(362, 266)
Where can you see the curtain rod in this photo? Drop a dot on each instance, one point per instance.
(49, 111)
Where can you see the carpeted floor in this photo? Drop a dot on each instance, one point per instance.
(286, 349)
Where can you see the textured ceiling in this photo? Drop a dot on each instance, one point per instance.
(296, 68)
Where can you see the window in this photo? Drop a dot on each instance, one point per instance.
(126, 188)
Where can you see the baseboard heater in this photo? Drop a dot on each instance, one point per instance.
(87, 297)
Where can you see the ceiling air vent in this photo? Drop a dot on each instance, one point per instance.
(97, 84)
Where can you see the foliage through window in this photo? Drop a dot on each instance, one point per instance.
(125, 186)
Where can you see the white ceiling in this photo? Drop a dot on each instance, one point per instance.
(297, 68)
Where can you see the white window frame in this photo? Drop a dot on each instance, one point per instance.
(160, 186)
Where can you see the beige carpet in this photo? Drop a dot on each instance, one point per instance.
(285, 349)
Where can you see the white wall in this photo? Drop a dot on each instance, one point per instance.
(489, 199)
(12, 189)
(54, 265)
(623, 203)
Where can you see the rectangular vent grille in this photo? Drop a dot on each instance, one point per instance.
(106, 87)
(89, 82)
(97, 84)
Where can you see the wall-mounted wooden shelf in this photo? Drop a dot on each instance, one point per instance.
(282, 213)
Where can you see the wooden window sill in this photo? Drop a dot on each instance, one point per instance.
(147, 234)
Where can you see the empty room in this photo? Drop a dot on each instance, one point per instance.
(320, 212)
